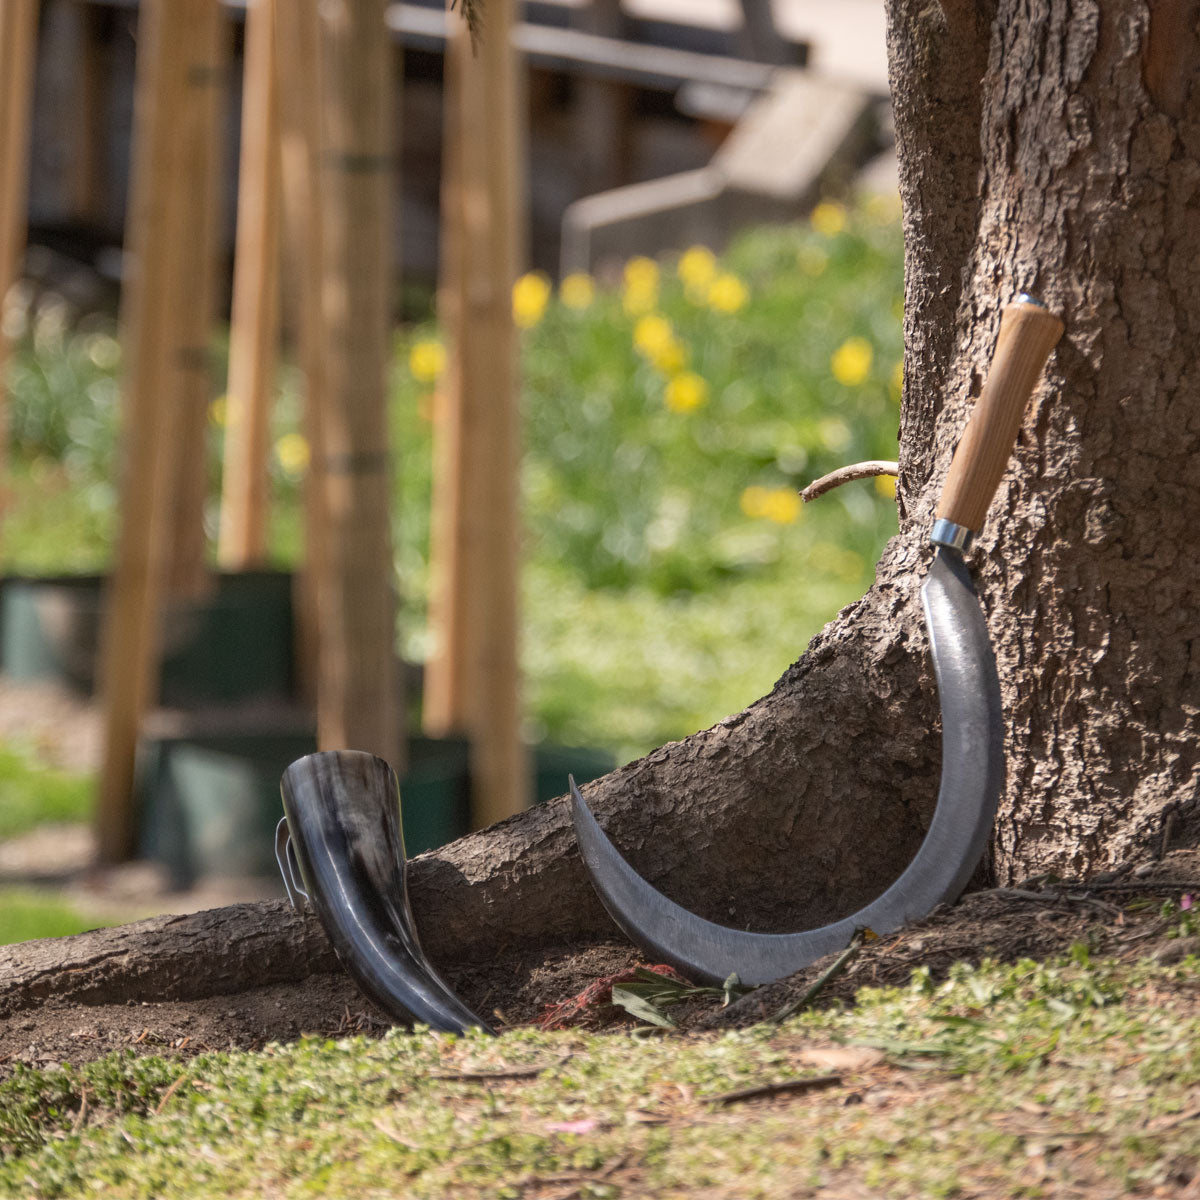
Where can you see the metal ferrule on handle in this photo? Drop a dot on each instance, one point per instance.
(1028, 332)
(947, 533)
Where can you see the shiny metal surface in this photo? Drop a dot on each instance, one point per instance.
(343, 822)
(971, 783)
(948, 533)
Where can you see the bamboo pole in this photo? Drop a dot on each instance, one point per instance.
(254, 332)
(300, 87)
(190, 384)
(171, 66)
(18, 46)
(358, 701)
(89, 133)
(473, 680)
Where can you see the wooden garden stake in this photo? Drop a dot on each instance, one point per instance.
(190, 386)
(472, 683)
(298, 61)
(254, 332)
(358, 701)
(18, 43)
(175, 71)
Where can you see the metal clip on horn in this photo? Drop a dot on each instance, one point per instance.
(340, 850)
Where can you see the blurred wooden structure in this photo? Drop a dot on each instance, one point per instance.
(358, 700)
(472, 682)
(254, 327)
(179, 65)
(18, 31)
(316, 161)
(344, 318)
(668, 76)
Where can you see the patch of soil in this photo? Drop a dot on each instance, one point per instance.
(61, 725)
(75, 1033)
(511, 990)
(1115, 916)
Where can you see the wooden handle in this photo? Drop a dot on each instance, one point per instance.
(1028, 332)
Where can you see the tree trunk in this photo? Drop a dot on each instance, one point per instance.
(1057, 153)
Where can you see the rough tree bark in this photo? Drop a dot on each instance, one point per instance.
(1053, 148)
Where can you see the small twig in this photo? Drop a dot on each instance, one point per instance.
(1168, 829)
(389, 1132)
(811, 1084)
(511, 1073)
(839, 964)
(1012, 893)
(1143, 885)
(169, 1093)
(1075, 890)
(1161, 1124)
(613, 1164)
(1069, 896)
(80, 1116)
(848, 474)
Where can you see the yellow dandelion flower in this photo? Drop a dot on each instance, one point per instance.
(835, 560)
(292, 452)
(577, 290)
(728, 294)
(686, 392)
(849, 566)
(427, 360)
(782, 506)
(851, 361)
(883, 207)
(834, 433)
(885, 485)
(670, 358)
(828, 218)
(530, 295)
(812, 260)
(697, 269)
(754, 501)
(640, 293)
(218, 412)
(656, 340)
(638, 299)
(652, 332)
(641, 272)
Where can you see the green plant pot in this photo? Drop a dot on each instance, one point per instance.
(235, 644)
(552, 765)
(209, 802)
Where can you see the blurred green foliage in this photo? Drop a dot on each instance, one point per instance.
(34, 794)
(671, 572)
(27, 913)
(669, 417)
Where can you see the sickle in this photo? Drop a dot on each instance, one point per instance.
(341, 835)
(972, 719)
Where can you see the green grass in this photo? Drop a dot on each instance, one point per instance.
(27, 913)
(33, 794)
(1005, 1081)
(668, 422)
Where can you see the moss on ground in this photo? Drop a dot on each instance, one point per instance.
(1014, 1081)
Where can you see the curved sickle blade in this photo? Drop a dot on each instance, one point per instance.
(972, 780)
(345, 839)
